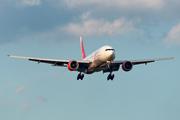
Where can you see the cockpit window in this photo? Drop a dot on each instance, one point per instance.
(109, 50)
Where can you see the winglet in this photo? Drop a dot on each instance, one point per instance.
(82, 49)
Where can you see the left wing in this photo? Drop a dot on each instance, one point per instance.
(114, 66)
(136, 62)
(54, 62)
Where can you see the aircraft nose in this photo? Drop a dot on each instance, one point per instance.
(110, 55)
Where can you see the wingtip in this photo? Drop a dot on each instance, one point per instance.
(8, 55)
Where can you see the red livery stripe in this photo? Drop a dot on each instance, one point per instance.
(82, 49)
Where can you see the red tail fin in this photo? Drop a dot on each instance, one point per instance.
(82, 49)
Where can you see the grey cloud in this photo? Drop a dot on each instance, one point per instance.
(26, 106)
(164, 10)
(1, 94)
(41, 98)
(173, 37)
(101, 27)
(29, 2)
(18, 22)
(49, 17)
(21, 89)
(144, 4)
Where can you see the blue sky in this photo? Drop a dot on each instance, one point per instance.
(51, 29)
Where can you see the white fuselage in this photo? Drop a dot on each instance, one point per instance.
(100, 58)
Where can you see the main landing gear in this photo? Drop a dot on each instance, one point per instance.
(80, 76)
(110, 76)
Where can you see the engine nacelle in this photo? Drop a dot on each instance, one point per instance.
(73, 65)
(127, 66)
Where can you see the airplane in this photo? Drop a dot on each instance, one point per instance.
(100, 60)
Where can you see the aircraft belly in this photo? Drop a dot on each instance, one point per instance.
(96, 66)
(98, 62)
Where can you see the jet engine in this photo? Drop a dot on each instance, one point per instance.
(127, 66)
(73, 65)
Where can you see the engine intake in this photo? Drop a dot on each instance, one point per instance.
(127, 66)
(73, 65)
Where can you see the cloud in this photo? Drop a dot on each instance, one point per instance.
(1, 94)
(173, 37)
(87, 26)
(26, 107)
(58, 20)
(40, 98)
(85, 15)
(152, 4)
(23, 88)
(101, 27)
(147, 10)
(19, 90)
(30, 2)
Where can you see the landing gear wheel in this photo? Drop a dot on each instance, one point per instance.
(111, 77)
(79, 76)
(82, 76)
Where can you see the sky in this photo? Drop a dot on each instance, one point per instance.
(138, 29)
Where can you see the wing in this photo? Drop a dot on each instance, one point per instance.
(116, 64)
(54, 62)
(136, 62)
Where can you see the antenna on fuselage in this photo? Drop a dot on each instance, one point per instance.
(82, 49)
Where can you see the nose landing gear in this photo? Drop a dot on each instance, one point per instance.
(80, 76)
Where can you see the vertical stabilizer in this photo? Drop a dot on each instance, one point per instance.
(82, 49)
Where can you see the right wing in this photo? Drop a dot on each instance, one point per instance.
(54, 62)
